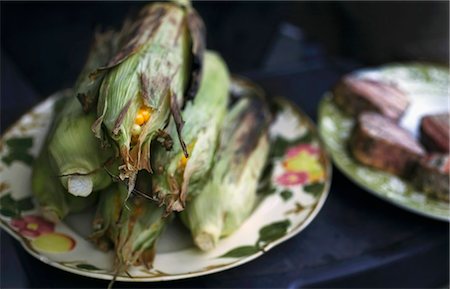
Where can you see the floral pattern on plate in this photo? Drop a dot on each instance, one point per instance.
(293, 190)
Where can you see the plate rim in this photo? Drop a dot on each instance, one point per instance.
(107, 276)
(327, 98)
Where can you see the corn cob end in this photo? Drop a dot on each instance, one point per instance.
(80, 186)
(207, 239)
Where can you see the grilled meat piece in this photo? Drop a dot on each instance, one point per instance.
(435, 132)
(380, 143)
(355, 95)
(432, 176)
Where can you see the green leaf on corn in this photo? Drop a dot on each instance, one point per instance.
(177, 176)
(157, 65)
(53, 198)
(109, 210)
(130, 225)
(54, 201)
(75, 153)
(229, 191)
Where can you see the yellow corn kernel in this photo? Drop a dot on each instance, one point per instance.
(183, 161)
(145, 113)
(139, 120)
(136, 130)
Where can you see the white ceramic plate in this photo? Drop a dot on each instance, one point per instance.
(428, 90)
(291, 196)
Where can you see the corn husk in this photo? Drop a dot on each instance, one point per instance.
(176, 176)
(129, 225)
(141, 225)
(106, 220)
(157, 67)
(54, 200)
(86, 89)
(229, 192)
(76, 154)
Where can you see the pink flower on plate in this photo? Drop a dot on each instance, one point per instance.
(292, 178)
(295, 151)
(32, 226)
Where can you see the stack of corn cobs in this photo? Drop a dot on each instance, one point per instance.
(154, 128)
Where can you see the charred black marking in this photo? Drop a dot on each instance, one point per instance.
(144, 87)
(158, 82)
(147, 25)
(121, 117)
(256, 120)
(164, 139)
(179, 122)
(197, 32)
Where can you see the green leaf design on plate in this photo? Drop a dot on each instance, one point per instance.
(265, 183)
(21, 143)
(286, 195)
(280, 144)
(314, 189)
(267, 172)
(25, 204)
(266, 189)
(242, 251)
(7, 201)
(87, 267)
(13, 208)
(19, 150)
(273, 231)
(9, 213)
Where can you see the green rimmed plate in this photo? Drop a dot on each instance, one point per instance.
(291, 195)
(427, 87)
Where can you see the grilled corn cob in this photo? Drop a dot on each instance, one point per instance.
(76, 153)
(176, 174)
(147, 79)
(106, 220)
(140, 226)
(54, 200)
(229, 192)
(130, 225)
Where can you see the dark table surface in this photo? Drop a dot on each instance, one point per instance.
(357, 240)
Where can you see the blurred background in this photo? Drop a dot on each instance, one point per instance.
(49, 41)
(297, 49)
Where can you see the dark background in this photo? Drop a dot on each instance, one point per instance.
(49, 41)
(296, 49)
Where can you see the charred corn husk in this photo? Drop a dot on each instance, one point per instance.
(87, 86)
(75, 152)
(229, 192)
(106, 220)
(140, 226)
(148, 79)
(130, 225)
(175, 174)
